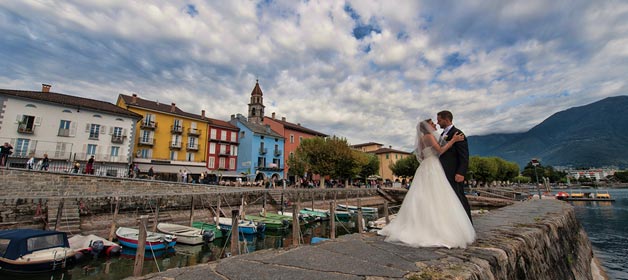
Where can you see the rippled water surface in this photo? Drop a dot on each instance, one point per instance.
(606, 223)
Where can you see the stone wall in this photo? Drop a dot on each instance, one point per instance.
(30, 200)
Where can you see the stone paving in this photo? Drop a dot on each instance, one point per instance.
(367, 256)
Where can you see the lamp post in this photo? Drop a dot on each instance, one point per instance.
(534, 163)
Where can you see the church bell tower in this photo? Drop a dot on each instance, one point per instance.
(256, 106)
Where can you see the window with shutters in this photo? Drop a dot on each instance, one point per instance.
(64, 128)
(221, 163)
(234, 136)
(211, 163)
(26, 124)
(91, 149)
(21, 147)
(212, 148)
(173, 155)
(232, 163)
(189, 156)
(223, 135)
(115, 151)
(94, 131)
(61, 150)
(212, 134)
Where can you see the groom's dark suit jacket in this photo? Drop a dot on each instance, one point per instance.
(456, 161)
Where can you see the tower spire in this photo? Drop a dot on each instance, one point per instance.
(256, 105)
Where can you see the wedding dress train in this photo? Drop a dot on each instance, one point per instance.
(431, 214)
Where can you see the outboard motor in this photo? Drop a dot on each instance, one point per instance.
(97, 246)
(261, 227)
(208, 236)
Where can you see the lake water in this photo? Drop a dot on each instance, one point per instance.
(606, 223)
(184, 255)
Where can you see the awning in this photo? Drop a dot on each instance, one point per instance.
(160, 168)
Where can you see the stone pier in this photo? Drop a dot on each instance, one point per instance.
(535, 239)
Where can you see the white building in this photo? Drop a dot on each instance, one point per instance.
(68, 129)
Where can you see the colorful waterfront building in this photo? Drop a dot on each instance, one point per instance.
(222, 152)
(168, 139)
(386, 157)
(261, 149)
(68, 130)
(293, 134)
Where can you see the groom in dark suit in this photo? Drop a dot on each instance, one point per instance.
(455, 161)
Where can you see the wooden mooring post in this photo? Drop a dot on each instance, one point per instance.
(386, 212)
(59, 214)
(156, 220)
(235, 215)
(332, 220)
(141, 246)
(192, 210)
(264, 204)
(296, 229)
(360, 222)
(112, 229)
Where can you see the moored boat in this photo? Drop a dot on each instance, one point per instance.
(128, 237)
(94, 245)
(244, 226)
(187, 235)
(597, 196)
(208, 226)
(354, 209)
(33, 251)
(271, 222)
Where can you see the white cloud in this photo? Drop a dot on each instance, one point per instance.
(518, 61)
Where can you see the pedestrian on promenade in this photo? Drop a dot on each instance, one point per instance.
(184, 176)
(89, 167)
(151, 173)
(76, 168)
(5, 152)
(45, 162)
(30, 164)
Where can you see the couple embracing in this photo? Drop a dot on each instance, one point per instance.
(435, 211)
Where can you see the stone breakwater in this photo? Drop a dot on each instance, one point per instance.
(536, 239)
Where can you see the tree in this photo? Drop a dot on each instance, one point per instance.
(367, 164)
(405, 167)
(325, 156)
(621, 176)
(489, 169)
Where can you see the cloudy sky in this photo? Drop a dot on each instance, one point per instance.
(364, 70)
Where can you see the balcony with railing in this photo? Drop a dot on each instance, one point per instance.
(224, 153)
(118, 139)
(22, 128)
(277, 152)
(194, 131)
(146, 141)
(176, 129)
(175, 145)
(263, 151)
(64, 132)
(148, 125)
(191, 146)
(269, 167)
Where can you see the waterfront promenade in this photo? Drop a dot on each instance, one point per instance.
(535, 239)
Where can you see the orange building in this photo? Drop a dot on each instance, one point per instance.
(386, 156)
(293, 135)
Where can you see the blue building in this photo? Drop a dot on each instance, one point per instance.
(260, 151)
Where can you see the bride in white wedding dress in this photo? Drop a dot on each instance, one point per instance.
(431, 214)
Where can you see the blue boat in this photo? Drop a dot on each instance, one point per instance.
(244, 226)
(35, 251)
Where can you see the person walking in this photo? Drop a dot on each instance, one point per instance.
(5, 152)
(151, 173)
(89, 167)
(45, 162)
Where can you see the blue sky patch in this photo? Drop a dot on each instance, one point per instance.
(191, 10)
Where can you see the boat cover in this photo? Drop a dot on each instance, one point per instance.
(18, 241)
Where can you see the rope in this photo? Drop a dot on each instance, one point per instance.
(151, 249)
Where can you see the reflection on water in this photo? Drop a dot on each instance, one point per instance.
(606, 223)
(185, 255)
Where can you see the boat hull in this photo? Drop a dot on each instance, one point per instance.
(185, 235)
(206, 226)
(154, 241)
(45, 264)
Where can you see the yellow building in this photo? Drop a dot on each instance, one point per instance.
(167, 139)
(386, 156)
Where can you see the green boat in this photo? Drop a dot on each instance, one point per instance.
(206, 226)
(324, 214)
(272, 223)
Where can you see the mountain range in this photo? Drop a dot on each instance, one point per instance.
(594, 135)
